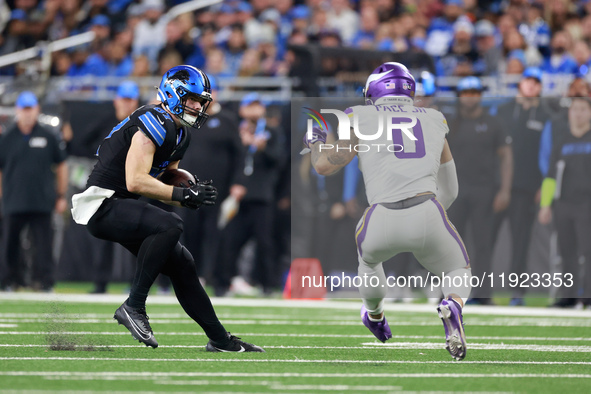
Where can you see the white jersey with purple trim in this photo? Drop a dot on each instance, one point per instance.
(394, 166)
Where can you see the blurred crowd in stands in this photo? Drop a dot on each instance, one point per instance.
(248, 38)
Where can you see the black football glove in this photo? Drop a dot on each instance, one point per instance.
(200, 193)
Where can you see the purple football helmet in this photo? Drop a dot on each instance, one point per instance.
(390, 79)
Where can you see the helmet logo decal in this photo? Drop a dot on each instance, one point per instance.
(181, 75)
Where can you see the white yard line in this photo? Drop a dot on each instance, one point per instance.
(2, 391)
(245, 360)
(157, 375)
(115, 300)
(364, 346)
(279, 386)
(249, 316)
(495, 322)
(258, 334)
(482, 346)
(349, 319)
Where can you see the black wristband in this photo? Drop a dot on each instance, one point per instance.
(178, 194)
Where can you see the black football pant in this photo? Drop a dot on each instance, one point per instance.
(522, 213)
(573, 225)
(152, 234)
(42, 237)
(475, 207)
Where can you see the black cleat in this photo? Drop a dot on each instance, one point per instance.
(136, 321)
(235, 345)
(564, 303)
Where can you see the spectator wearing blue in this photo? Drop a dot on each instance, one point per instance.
(461, 55)
(560, 60)
(582, 56)
(119, 61)
(118, 6)
(127, 99)
(101, 26)
(226, 17)
(29, 22)
(566, 199)
(535, 30)
(84, 63)
(95, 65)
(488, 51)
(300, 15)
(284, 7)
(516, 62)
(426, 86)
(426, 89)
(369, 23)
(441, 30)
(90, 59)
(234, 49)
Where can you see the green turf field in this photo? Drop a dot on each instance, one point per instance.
(311, 347)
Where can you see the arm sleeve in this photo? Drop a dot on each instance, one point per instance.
(447, 184)
(352, 175)
(549, 183)
(553, 159)
(548, 190)
(545, 149)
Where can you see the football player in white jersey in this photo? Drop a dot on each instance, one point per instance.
(410, 180)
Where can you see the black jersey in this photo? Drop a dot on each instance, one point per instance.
(575, 155)
(474, 143)
(525, 127)
(157, 124)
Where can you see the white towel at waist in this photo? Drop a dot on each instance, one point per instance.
(85, 204)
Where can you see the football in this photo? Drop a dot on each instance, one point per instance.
(178, 177)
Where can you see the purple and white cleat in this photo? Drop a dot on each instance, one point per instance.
(380, 329)
(450, 313)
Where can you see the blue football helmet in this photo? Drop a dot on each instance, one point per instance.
(177, 85)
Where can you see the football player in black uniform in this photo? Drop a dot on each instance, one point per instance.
(152, 139)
